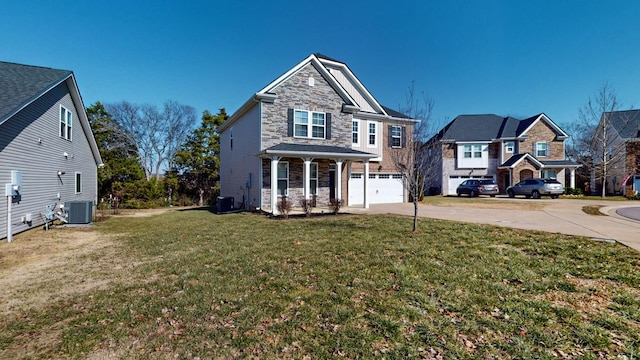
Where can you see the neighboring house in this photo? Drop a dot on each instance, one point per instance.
(623, 152)
(48, 153)
(504, 149)
(314, 133)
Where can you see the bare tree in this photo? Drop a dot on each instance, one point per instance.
(411, 158)
(597, 144)
(157, 134)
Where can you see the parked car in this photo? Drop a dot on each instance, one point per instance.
(475, 187)
(534, 188)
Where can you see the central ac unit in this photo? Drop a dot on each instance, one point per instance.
(79, 211)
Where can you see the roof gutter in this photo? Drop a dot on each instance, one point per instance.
(256, 98)
(288, 153)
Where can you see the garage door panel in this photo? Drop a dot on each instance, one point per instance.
(382, 189)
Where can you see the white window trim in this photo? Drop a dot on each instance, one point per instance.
(68, 121)
(546, 149)
(375, 134)
(77, 183)
(399, 136)
(286, 190)
(356, 132)
(509, 149)
(310, 124)
(313, 191)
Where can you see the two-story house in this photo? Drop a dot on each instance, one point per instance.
(504, 149)
(621, 142)
(314, 133)
(48, 153)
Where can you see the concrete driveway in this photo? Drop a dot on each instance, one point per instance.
(563, 216)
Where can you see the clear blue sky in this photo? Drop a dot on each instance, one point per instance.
(514, 57)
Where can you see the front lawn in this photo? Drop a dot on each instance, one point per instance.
(203, 286)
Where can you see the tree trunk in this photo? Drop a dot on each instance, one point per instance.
(415, 214)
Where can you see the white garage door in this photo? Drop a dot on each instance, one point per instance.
(455, 180)
(382, 189)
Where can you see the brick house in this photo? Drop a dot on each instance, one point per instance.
(504, 149)
(314, 133)
(623, 144)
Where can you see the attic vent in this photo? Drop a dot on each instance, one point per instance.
(312, 81)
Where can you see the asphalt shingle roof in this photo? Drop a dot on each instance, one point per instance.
(316, 149)
(394, 113)
(20, 84)
(626, 123)
(485, 127)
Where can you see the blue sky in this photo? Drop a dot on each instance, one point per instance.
(515, 58)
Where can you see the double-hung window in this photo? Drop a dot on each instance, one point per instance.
(472, 151)
(372, 134)
(355, 126)
(65, 123)
(309, 124)
(313, 178)
(509, 147)
(542, 149)
(396, 136)
(283, 178)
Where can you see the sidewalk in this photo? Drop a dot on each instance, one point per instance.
(560, 216)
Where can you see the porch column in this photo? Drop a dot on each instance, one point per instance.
(366, 183)
(348, 179)
(274, 185)
(572, 177)
(339, 179)
(306, 175)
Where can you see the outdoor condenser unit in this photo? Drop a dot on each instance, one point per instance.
(79, 211)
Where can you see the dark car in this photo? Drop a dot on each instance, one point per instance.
(474, 187)
(534, 188)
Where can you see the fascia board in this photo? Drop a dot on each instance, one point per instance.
(358, 85)
(285, 153)
(372, 116)
(84, 121)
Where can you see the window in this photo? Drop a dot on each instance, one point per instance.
(396, 176)
(396, 136)
(541, 149)
(78, 183)
(313, 178)
(372, 134)
(356, 176)
(508, 147)
(550, 174)
(472, 151)
(372, 176)
(231, 138)
(65, 123)
(283, 178)
(354, 132)
(301, 124)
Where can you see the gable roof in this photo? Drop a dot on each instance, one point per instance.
(626, 123)
(515, 159)
(490, 127)
(357, 99)
(23, 84)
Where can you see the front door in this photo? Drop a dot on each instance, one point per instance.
(506, 182)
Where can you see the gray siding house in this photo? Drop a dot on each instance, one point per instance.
(48, 154)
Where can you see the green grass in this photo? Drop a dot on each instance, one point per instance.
(243, 285)
(593, 210)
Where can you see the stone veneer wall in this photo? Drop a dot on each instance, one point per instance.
(296, 93)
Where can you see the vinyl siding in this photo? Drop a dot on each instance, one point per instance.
(355, 94)
(30, 143)
(236, 164)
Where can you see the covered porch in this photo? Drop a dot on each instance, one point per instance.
(310, 173)
(525, 166)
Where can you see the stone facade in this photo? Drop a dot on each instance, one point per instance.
(632, 164)
(296, 93)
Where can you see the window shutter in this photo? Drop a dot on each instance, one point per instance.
(548, 149)
(404, 136)
(290, 122)
(328, 126)
(389, 136)
(534, 152)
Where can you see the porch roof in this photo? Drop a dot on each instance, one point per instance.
(514, 160)
(316, 151)
(560, 164)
